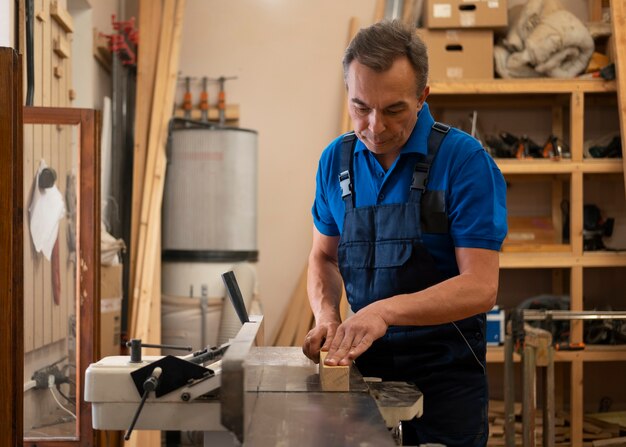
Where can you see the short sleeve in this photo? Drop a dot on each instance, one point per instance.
(477, 199)
(321, 210)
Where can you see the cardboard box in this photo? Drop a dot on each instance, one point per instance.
(459, 54)
(110, 309)
(465, 14)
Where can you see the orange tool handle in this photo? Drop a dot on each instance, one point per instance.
(221, 101)
(204, 101)
(187, 101)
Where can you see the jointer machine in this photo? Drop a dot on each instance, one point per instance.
(243, 393)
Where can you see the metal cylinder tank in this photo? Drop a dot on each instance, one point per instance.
(210, 196)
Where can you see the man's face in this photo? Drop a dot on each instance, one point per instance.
(383, 107)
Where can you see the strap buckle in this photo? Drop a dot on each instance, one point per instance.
(420, 176)
(440, 127)
(345, 184)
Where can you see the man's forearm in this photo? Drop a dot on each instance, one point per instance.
(473, 291)
(324, 286)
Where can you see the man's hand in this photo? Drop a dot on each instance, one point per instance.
(355, 336)
(320, 338)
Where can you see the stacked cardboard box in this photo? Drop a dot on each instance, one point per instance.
(110, 309)
(459, 36)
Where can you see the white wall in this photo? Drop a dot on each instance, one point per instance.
(90, 80)
(7, 28)
(287, 57)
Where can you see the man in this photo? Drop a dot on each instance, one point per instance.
(410, 215)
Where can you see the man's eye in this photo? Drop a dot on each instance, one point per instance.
(362, 110)
(394, 111)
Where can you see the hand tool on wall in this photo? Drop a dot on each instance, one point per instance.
(221, 101)
(204, 101)
(187, 98)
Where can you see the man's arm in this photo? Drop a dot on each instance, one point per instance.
(324, 286)
(472, 292)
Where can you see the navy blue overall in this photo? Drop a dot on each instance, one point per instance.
(381, 254)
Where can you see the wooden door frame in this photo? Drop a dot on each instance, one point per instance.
(88, 254)
(11, 241)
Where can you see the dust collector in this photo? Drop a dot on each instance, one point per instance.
(209, 227)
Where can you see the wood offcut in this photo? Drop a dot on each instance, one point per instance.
(333, 378)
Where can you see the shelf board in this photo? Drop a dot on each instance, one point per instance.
(544, 166)
(591, 353)
(561, 260)
(521, 86)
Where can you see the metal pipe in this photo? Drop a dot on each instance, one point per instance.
(509, 392)
(538, 315)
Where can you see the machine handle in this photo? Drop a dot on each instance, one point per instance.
(235, 296)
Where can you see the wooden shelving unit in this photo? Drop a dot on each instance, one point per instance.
(566, 99)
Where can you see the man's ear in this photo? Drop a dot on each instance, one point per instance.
(422, 97)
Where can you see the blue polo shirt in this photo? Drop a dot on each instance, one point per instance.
(475, 191)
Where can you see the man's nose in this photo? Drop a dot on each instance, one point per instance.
(376, 122)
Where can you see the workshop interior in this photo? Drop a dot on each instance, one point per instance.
(157, 171)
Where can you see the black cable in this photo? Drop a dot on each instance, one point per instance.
(30, 52)
(69, 399)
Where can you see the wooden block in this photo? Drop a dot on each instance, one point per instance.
(41, 16)
(62, 17)
(613, 442)
(58, 72)
(334, 378)
(61, 48)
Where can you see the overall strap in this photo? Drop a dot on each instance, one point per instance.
(345, 176)
(422, 167)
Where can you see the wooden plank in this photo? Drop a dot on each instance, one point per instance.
(167, 69)
(286, 333)
(521, 86)
(379, 10)
(149, 25)
(62, 17)
(618, 20)
(333, 378)
(151, 173)
(346, 124)
(306, 321)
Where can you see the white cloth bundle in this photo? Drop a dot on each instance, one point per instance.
(545, 40)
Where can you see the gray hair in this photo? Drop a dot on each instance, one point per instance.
(379, 45)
